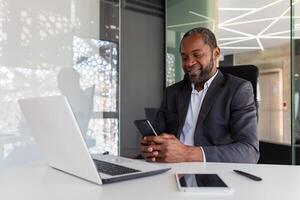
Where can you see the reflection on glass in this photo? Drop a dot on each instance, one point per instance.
(96, 61)
(48, 48)
(170, 69)
(182, 16)
(296, 83)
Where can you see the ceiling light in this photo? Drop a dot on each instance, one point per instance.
(188, 24)
(236, 41)
(235, 31)
(199, 15)
(237, 9)
(280, 32)
(232, 38)
(251, 12)
(240, 48)
(205, 17)
(255, 20)
(259, 43)
(273, 22)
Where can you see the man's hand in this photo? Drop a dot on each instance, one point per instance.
(167, 148)
(147, 151)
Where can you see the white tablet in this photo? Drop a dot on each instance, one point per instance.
(202, 183)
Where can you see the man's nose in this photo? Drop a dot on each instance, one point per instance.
(190, 61)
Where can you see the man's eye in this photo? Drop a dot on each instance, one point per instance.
(197, 55)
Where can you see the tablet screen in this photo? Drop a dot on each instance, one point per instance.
(200, 180)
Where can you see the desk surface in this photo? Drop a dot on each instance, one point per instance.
(38, 181)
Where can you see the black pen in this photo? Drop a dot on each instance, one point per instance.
(251, 176)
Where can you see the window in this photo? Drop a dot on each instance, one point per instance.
(59, 47)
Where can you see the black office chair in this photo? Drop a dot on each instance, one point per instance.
(247, 72)
(150, 114)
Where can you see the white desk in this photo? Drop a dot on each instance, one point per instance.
(38, 181)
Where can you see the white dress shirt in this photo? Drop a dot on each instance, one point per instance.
(188, 130)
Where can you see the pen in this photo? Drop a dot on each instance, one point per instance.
(251, 176)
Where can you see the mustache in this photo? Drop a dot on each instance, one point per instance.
(193, 69)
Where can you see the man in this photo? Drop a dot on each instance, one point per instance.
(208, 116)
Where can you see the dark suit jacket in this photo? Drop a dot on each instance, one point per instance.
(227, 122)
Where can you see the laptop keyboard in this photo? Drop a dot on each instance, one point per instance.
(112, 169)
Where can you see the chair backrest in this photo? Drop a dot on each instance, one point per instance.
(247, 72)
(150, 114)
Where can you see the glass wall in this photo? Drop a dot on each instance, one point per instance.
(180, 17)
(59, 47)
(248, 33)
(295, 35)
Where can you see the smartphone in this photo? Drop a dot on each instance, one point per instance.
(145, 127)
(202, 183)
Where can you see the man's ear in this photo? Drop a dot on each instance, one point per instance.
(216, 53)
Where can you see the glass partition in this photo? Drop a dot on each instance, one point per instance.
(59, 47)
(180, 17)
(295, 55)
(248, 33)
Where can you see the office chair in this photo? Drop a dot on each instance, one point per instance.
(150, 114)
(247, 72)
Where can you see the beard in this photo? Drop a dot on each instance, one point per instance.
(205, 73)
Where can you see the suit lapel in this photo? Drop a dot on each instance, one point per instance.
(210, 97)
(183, 104)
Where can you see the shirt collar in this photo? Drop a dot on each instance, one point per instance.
(206, 84)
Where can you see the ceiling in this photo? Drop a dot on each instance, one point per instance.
(241, 25)
(256, 24)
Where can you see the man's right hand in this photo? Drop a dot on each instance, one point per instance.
(147, 151)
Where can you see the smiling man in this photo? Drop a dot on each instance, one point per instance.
(208, 116)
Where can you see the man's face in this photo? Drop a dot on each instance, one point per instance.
(198, 59)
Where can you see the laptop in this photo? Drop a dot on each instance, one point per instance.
(56, 131)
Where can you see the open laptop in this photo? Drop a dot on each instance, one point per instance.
(56, 131)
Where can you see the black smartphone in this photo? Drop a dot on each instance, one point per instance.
(145, 127)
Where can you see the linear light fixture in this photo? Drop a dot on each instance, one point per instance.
(260, 37)
(278, 37)
(188, 24)
(237, 41)
(199, 15)
(228, 47)
(243, 35)
(205, 17)
(258, 20)
(259, 43)
(232, 38)
(251, 12)
(235, 31)
(274, 37)
(237, 9)
(273, 22)
(281, 32)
